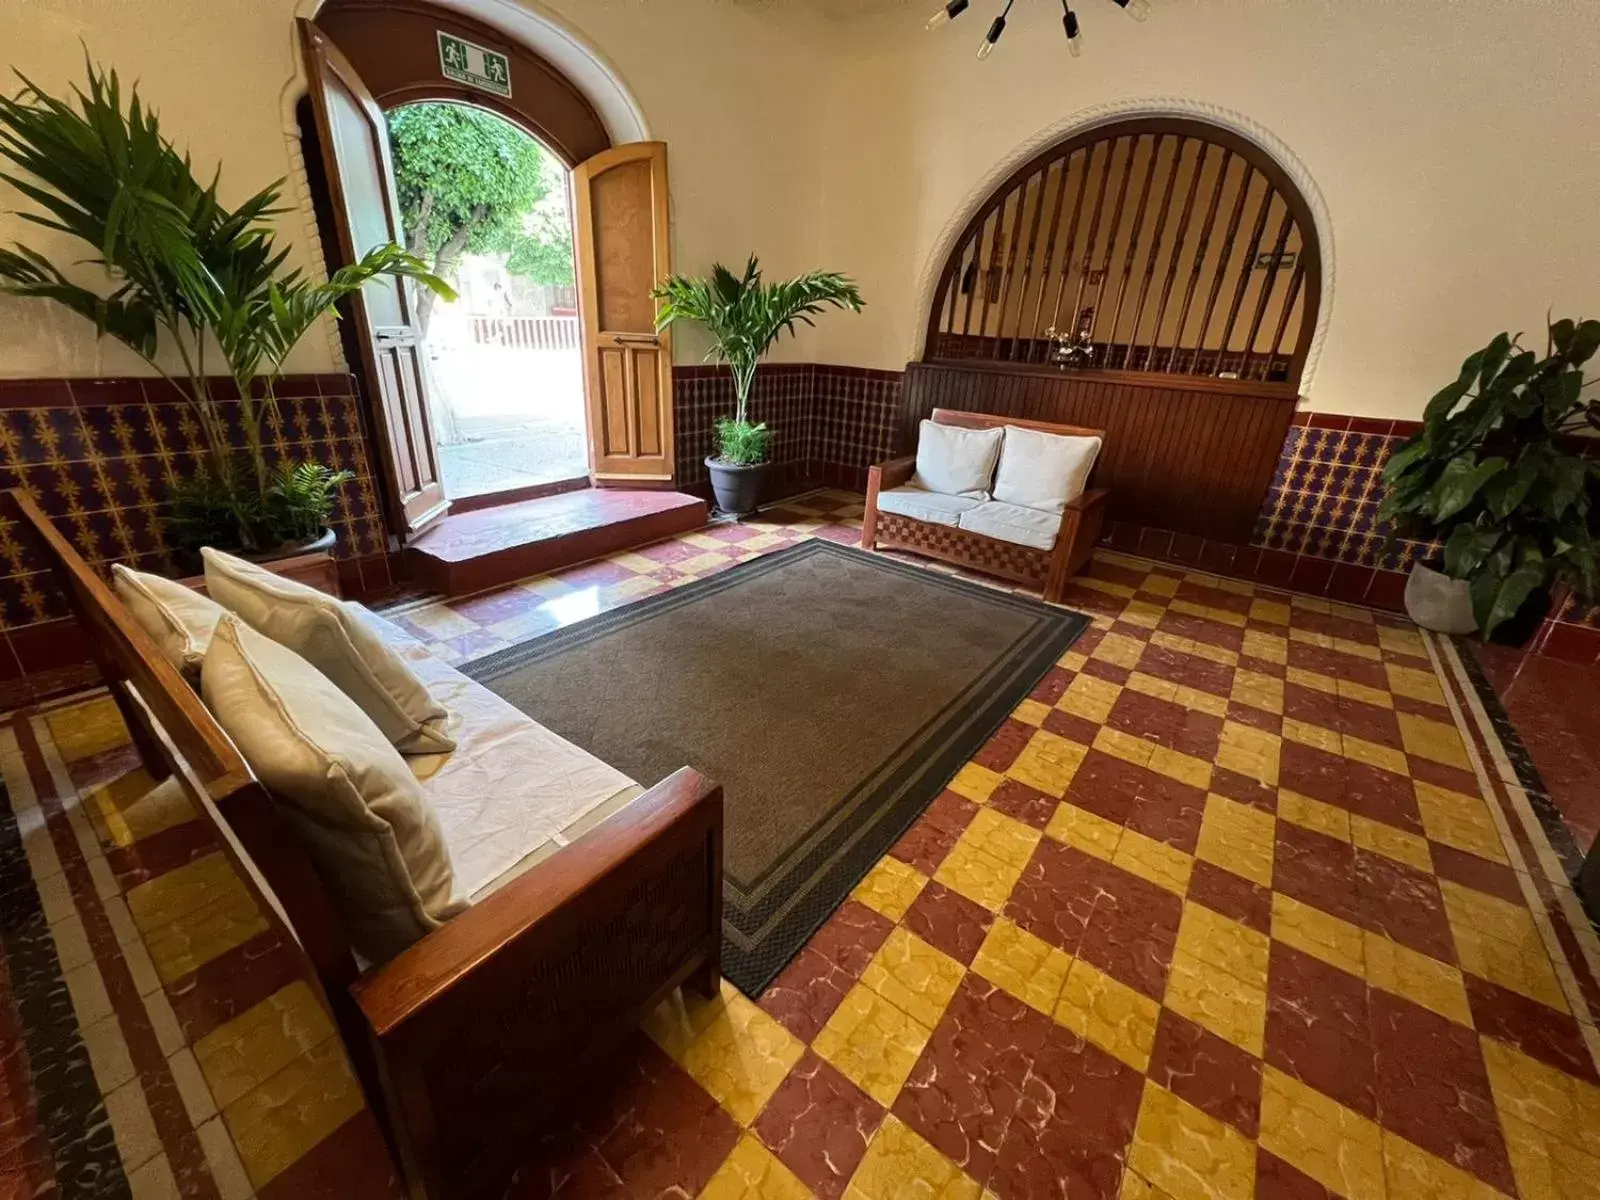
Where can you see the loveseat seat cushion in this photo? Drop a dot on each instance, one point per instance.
(1013, 523)
(922, 505)
(955, 460)
(1043, 470)
(511, 792)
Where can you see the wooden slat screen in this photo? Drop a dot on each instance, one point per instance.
(1165, 245)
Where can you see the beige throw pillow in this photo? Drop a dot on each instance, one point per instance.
(359, 811)
(956, 461)
(333, 639)
(1043, 470)
(178, 619)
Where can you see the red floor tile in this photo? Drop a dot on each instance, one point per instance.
(1212, 1074)
(949, 921)
(819, 1123)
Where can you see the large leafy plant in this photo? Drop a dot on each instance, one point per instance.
(744, 317)
(1499, 474)
(183, 272)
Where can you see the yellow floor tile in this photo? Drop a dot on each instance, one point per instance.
(1221, 616)
(1313, 814)
(1414, 683)
(1411, 1171)
(1459, 820)
(1113, 1016)
(1047, 763)
(1548, 1169)
(1125, 746)
(1270, 611)
(1160, 585)
(1120, 590)
(133, 806)
(1031, 712)
(1090, 697)
(1499, 941)
(248, 1050)
(752, 1172)
(187, 942)
(976, 782)
(977, 876)
(872, 1042)
(1163, 865)
(1307, 734)
(1119, 650)
(1152, 686)
(1433, 740)
(1142, 613)
(1237, 838)
(1189, 1154)
(1398, 844)
(1201, 701)
(1002, 837)
(1377, 697)
(1552, 1101)
(1268, 647)
(1319, 934)
(1340, 1149)
(1314, 680)
(1224, 943)
(1210, 997)
(741, 1057)
(1419, 978)
(83, 730)
(1402, 641)
(276, 1123)
(1257, 690)
(1385, 758)
(1185, 768)
(899, 1165)
(1251, 752)
(1084, 830)
(890, 888)
(684, 1016)
(183, 890)
(1135, 1188)
(915, 977)
(1028, 967)
(1357, 649)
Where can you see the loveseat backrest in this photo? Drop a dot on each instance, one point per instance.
(977, 420)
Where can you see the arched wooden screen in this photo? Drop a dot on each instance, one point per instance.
(1158, 245)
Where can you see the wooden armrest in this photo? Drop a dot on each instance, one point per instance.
(1090, 499)
(895, 472)
(485, 1027)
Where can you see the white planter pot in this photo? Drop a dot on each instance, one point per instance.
(1437, 602)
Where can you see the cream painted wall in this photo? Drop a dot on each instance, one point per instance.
(1448, 139)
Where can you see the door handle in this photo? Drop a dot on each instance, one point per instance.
(636, 339)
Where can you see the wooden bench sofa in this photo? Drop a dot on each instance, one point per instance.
(467, 1040)
(1047, 569)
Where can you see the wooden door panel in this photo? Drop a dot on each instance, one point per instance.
(354, 142)
(620, 200)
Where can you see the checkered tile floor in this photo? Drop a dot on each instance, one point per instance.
(1229, 908)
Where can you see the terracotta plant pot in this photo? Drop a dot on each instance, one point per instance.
(737, 486)
(1437, 602)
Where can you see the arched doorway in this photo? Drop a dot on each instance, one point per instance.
(1164, 245)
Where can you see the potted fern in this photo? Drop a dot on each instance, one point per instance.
(1499, 477)
(185, 275)
(744, 317)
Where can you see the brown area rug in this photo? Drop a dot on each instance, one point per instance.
(833, 694)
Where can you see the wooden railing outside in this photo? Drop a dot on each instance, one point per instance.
(526, 333)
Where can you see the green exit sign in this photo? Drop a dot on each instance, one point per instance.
(474, 65)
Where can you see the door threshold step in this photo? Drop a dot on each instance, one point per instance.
(473, 551)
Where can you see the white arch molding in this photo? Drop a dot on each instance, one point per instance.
(523, 21)
(1104, 114)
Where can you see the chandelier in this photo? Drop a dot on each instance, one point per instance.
(951, 9)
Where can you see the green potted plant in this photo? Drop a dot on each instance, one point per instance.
(186, 276)
(1498, 476)
(744, 317)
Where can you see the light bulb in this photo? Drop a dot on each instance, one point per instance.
(1139, 10)
(947, 13)
(1069, 22)
(990, 38)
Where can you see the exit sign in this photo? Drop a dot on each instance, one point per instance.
(474, 65)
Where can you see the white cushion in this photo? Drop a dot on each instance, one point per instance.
(1014, 523)
(511, 793)
(956, 461)
(1043, 470)
(328, 635)
(350, 796)
(178, 619)
(922, 505)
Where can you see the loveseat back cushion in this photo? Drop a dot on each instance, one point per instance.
(328, 635)
(921, 505)
(956, 461)
(357, 808)
(1043, 470)
(1032, 527)
(178, 619)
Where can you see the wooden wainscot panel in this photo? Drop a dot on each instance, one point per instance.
(1190, 454)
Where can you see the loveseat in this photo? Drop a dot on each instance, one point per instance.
(546, 902)
(996, 494)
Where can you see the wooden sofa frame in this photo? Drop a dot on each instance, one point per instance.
(1048, 570)
(472, 1036)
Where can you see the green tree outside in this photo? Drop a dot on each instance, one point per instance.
(471, 182)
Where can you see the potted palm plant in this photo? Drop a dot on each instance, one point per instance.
(744, 317)
(1498, 477)
(186, 275)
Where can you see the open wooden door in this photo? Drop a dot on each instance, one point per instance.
(355, 151)
(620, 209)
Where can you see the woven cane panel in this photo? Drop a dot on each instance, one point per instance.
(989, 555)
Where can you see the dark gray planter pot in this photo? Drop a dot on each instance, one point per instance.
(737, 487)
